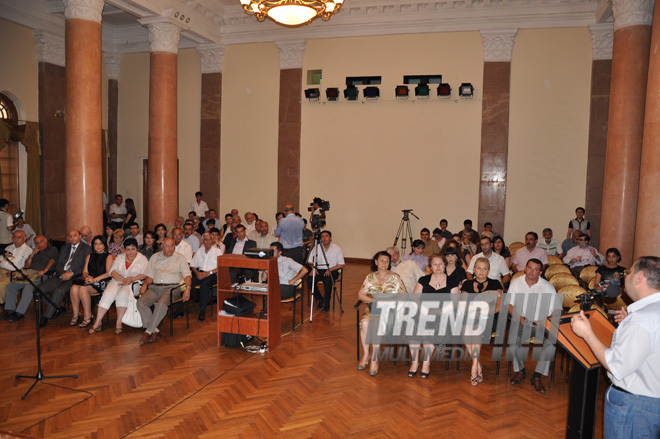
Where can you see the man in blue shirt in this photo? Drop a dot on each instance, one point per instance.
(290, 229)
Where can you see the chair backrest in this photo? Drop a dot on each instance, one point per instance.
(561, 280)
(588, 273)
(514, 246)
(570, 292)
(553, 260)
(556, 269)
(517, 274)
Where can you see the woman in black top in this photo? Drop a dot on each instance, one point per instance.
(96, 275)
(455, 269)
(611, 273)
(150, 245)
(501, 249)
(480, 284)
(436, 282)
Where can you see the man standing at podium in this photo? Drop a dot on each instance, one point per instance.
(632, 403)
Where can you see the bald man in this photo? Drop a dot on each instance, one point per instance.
(18, 252)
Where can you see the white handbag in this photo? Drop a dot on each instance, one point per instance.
(132, 316)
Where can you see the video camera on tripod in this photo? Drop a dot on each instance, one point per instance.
(318, 207)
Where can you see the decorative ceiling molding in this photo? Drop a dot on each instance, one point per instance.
(112, 61)
(498, 44)
(50, 47)
(632, 13)
(291, 53)
(90, 10)
(164, 36)
(211, 57)
(602, 40)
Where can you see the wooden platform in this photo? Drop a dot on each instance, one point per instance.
(187, 387)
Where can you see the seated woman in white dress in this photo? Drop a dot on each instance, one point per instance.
(128, 268)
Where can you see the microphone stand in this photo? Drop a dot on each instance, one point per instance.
(38, 295)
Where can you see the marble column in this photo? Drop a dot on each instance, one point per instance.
(211, 57)
(630, 58)
(601, 71)
(162, 179)
(498, 47)
(647, 232)
(288, 156)
(82, 169)
(52, 103)
(112, 61)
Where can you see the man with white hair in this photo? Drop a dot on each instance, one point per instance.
(408, 271)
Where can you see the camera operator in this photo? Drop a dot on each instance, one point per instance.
(318, 207)
(6, 224)
(290, 230)
(632, 403)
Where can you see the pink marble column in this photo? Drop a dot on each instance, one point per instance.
(630, 55)
(290, 110)
(162, 191)
(83, 169)
(647, 232)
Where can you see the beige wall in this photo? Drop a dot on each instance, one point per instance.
(375, 158)
(133, 126)
(250, 96)
(549, 114)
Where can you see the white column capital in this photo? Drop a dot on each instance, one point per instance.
(632, 13)
(164, 37)
(50, 48)
(291, 53)
(498, 44)
(602, 40)
(112, 61)
(211, 57)
(84, 9)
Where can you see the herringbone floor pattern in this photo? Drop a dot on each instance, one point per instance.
(308, 387)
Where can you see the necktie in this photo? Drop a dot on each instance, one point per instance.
(67, 266)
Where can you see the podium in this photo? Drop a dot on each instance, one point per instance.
(583, 390)
(269, 327)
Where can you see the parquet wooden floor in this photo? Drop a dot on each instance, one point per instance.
(188, 387)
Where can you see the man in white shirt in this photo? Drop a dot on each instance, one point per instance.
(250, 220)
(265, 238)
(582, 255)
(289, 271)
(551, 246)
(117, 212)
(530, 251)
(498, 268)
(408, 271)
(205, 271)
(237, 246)
(190, 238)
(531, 286)
(199, 206)
(18, 253)
(134, 232)
(211, 216)
(182, 246)
(19, 224)
(327, 268)
(632, 403)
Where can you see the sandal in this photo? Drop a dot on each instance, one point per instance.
(85, 323)
(474, 380)
(118, 331)
(412, 374)
(480, 376)
(95, 330)
(362, 366)
(74, 321)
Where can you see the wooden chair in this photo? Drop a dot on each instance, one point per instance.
(563, 279)
(340, 281)
(588, 273)
(182, 287)
(556, 269)
(297, 295)
(554, 260)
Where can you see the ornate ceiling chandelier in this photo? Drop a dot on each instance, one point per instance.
(291, 12)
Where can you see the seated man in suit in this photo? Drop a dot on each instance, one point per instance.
(70, 265)
(237, 246)
(39, 262)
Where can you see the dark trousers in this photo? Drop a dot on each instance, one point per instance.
(327, 285)
(58, 288)
(204, 290)
(296, 253)
(234, 273)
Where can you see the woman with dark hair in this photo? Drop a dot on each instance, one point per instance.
(161, 233)
(417, 255)
(436, 282)
(380, 281)
(458, 249)
(454, 268)
(611, 273)
(150, 246)
(480, 284)
(94, 278)
(131, 213)
(227, 224)
(127, 268)
(501, 249)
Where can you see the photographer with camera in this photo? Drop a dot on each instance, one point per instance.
(632, 403)
(290, 230)
(6, 224)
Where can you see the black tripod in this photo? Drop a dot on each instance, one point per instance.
(404, 232)
(38, 294)
(315, 263)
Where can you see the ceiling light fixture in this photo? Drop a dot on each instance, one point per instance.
(292, 13)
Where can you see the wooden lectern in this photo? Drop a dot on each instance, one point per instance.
(583, 392)
(269, 327)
